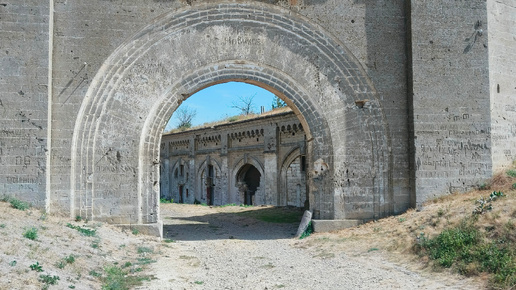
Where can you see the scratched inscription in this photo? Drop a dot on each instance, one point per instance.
(241, 40)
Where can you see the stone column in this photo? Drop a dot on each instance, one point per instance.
(269, 182)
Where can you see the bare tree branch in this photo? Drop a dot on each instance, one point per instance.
(185, 116)
(244, 104)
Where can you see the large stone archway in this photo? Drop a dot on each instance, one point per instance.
(115, 146)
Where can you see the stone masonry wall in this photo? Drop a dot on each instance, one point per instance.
(401, 100)
(502, 76)
(450, 106)
(24, 38)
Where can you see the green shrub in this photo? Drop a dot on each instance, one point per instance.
(83, 231)
(70, 259)
(50, 280)
(164, 200)
(18, 204)
(31, 233)
(511, 172)
(464, 248)
(142, 250)
(36, 267)
(451, 245)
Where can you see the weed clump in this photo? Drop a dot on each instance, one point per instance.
(48, 279)
(117, 278)
(472, 247)
(36, 267)
(511, 172)
(309, 230)
(485, 204)
(84, 231)
(18, 204)
(31, 234)
(164, 200)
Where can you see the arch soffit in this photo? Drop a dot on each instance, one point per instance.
(251, 160)
(290, 157)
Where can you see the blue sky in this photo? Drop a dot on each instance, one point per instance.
(214, 103)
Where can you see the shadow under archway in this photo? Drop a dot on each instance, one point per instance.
(197, 222)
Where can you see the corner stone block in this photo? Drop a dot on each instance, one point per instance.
(322, 226)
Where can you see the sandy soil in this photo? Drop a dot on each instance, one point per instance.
(213, 248)
(216, 248)
(55, 242)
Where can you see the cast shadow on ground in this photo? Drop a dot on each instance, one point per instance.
(246, 224)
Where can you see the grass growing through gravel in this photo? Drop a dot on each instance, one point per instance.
(117, 278)
(275, 214)
(18, 204)
(31, 234)
(84, 231)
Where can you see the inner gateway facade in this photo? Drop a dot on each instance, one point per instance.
(235, 163)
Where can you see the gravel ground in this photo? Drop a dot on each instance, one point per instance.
(216, 248)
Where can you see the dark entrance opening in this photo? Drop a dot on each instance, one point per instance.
(250, 177)
(209, 185)
(181, 193)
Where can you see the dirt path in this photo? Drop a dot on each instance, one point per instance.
(218, 248)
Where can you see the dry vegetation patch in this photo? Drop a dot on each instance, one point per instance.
(39, 251)
(435, 238)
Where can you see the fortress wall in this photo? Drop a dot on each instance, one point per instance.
(24, 27)
(450, 108)
(502, 86)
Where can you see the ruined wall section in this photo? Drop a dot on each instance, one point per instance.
(450, 110)
(23, 99)
(502, 75)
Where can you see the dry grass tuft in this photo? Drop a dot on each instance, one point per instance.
(396, 236)
(55, 244)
